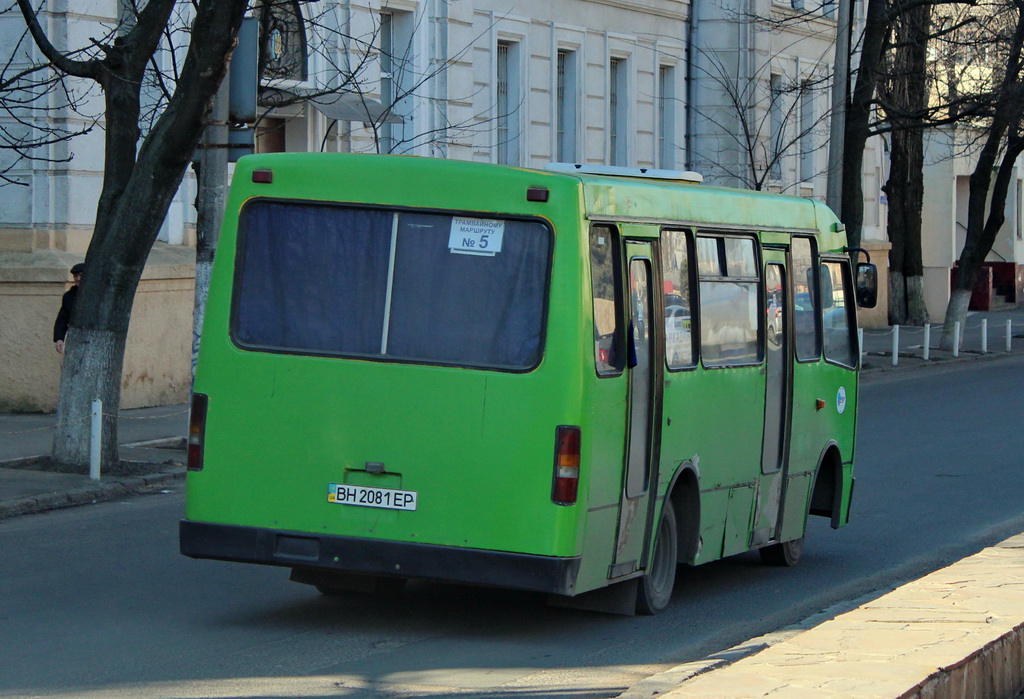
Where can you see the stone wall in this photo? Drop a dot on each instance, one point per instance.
(157, 366)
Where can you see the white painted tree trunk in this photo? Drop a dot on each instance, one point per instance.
(956, 312)
(906, 300)
(917, 309)
(897, 298)
(88, 365)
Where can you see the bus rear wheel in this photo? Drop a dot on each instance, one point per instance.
(784, 554)
(654, 590)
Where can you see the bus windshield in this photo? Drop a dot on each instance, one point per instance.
(402, 286)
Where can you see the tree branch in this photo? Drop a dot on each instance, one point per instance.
(82, 69)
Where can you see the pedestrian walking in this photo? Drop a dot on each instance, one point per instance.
(67, 305)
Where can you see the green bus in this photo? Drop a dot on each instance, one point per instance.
(567, 381)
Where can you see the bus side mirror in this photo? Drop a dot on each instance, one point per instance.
(866, 284)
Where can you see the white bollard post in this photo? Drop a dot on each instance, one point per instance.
(956, 339)
(895, 345)
(1009, 334)
(984, 335)
(927, 341)
(96, 440)
(860, 343)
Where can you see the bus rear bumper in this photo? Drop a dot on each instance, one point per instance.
(551, 574)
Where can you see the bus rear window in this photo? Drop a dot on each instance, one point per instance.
(403, 286)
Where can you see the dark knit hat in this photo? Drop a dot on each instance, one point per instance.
(78, 269)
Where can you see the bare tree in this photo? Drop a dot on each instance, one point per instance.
(30, 125)
(762, 121)
(904, 98)
(1002, 132)
(149, 138)
(864, 119)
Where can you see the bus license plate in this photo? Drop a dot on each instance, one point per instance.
(364, 496)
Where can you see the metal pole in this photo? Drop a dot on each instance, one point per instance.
(956, 339)
(984, 335)
(96, 439)
(212, 181)
(1009, 334)
(927, 341)
(895, 345)
(840, 94)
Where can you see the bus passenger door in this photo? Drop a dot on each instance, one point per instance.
(771, 489)
(638, 478)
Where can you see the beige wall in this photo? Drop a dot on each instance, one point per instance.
(157, 365)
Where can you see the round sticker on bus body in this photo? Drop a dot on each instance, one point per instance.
(841, 400)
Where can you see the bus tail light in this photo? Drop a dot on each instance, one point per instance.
(197, 431)
(566, 481)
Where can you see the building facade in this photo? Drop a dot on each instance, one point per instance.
(642, 83)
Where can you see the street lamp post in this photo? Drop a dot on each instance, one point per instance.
(840, 94)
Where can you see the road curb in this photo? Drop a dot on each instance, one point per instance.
(957, 632)
(108, 489)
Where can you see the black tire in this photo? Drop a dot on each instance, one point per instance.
(654, 590)
(784, 554)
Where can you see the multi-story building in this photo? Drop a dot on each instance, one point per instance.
(671, 84)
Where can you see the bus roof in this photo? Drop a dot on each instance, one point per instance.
(606, 197)
(640, 199)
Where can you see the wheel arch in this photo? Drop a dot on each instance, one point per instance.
(684, 494)
(827, 492)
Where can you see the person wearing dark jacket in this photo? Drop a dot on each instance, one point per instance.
(67, 304)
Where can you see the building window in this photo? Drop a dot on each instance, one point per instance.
(775, 128)
(396, 77)
(807, 146)
(617, 92)
(565, 109)
(507, 104)
(666, 117)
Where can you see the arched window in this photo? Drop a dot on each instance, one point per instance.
(282, 40)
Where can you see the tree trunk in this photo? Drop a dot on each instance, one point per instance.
(91, 356)
(136, 195)
(858, 116)
(982, 231)
(917, 308)
(906, 98)
(897, 293)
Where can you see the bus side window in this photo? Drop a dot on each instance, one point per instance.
(730, 300)
(675, 265)
(604, 274)
(805, 316)
(838, 330)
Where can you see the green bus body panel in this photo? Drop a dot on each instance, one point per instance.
(477, 446)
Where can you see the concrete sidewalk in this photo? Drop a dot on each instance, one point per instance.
(148, 435)
(956, 633)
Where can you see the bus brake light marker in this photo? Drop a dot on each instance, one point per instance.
(197, 431)
(565, 485)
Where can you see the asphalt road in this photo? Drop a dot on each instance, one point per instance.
(96, 602)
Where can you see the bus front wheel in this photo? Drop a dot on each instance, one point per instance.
(655, 587)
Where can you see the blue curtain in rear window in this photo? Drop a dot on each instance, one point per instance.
(468, 309)
(312, 278)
